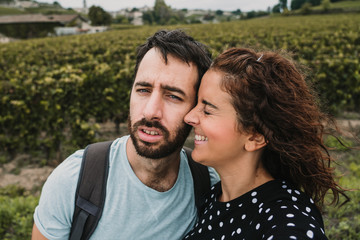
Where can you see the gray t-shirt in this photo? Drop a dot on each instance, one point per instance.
(132, 210)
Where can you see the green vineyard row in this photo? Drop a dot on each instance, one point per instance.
(55, 90)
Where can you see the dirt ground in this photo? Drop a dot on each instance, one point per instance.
(32, 177)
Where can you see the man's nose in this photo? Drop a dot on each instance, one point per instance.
(154, 107)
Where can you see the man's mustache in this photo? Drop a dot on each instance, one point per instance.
(152, 124)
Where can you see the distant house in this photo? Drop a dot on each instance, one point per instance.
(61, 19)
(5, 39)
(39, 25)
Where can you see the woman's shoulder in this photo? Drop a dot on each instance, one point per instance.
(289, 213)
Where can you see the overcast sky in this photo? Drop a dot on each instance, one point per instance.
(114, 5)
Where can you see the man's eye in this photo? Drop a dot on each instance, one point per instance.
(141, 90)
(206, 113)
(175, 97)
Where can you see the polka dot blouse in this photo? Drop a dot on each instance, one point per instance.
(274, 210)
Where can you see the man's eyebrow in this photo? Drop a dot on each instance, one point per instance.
(173, 89)
(209, 104)
(143, 84)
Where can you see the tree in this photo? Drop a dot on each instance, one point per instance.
(219, 12)
(277, 8)
(98, 16)
(314, 2)
(296, 4)
(283, 4)
(162, 12)
(306, 8)
(236, 12)
(325, 5)
(148, 17)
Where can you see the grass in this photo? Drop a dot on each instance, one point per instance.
(10, 11)
(353, 5)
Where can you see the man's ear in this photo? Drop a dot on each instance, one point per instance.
(255, 142)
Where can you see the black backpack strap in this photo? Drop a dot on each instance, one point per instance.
(91, 190)
(201, 177)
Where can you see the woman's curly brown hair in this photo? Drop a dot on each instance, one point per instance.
(271, 97)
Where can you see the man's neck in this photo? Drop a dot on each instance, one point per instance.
(158, 174)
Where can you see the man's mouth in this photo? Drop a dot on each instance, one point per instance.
(153, 133)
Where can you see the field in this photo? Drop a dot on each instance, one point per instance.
(56, 94)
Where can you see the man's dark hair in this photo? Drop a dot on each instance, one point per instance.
(180, 45)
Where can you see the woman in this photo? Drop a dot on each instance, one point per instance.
(258, 124)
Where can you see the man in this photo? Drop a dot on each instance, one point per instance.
(150, 193)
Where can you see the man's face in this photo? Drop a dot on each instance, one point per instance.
(161, 96)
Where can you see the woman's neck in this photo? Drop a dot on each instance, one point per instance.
(241, 178)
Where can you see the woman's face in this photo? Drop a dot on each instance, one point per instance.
(217, 138)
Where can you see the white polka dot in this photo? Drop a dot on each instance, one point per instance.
(305, 214)
(206, 200)
(243, 216)
(312, 201)
(290, 215)
(290, 225)
(231, 220)
(308, 209)
(284, 186)
(294, 199)
(271, 217)
(270, 238)
(253, 194)
(205, 211)
(202, 222)
(200, 230)
(233, 233)
(261, 205)
(228, 205)
(254, 200)
(209, 227)
(238, 231)
(210, 217)
(221, 224)
(297, 192)
(312, 225)
(218, 212)
(212, 188)
(211, 207)
(289, 191)
(212, 195)
(257, 226)
(296, 207)
(293, 237)
(240, 204)
(223, 237)
(273, 226)
(267, 210)
(322, 230)
(310, 234)
(283, 206)
(260, 210)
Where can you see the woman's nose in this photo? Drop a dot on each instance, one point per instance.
(191, 118)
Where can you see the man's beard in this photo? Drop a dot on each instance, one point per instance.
(150, 150)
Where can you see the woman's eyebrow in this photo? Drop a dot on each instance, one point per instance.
(209, 104)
